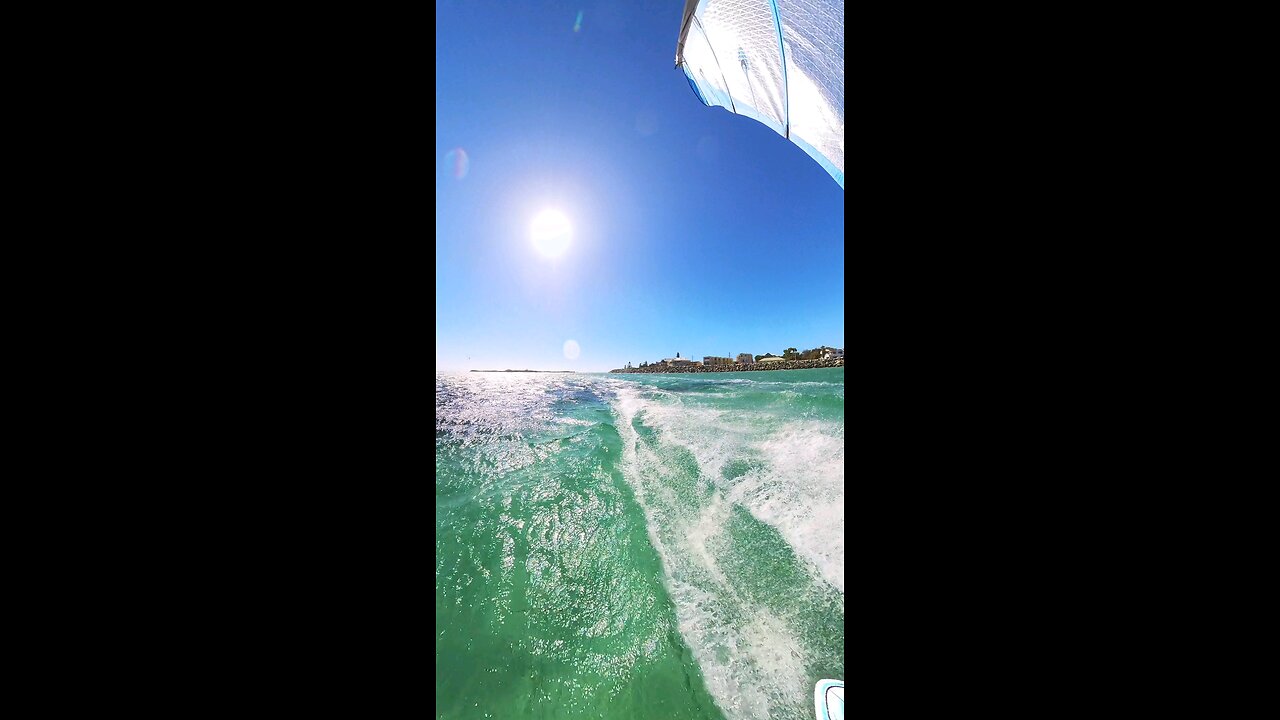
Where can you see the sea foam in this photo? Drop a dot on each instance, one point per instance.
(693, 464)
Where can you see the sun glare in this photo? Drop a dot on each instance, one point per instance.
(550, 232)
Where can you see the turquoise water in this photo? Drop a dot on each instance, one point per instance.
(638, 546)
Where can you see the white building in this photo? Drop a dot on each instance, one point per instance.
(830, 353)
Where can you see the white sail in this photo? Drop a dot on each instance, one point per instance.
(780, 62)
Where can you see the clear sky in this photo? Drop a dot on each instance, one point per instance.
(691, 229)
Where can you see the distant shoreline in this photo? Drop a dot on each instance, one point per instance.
(735, 367)
(545, 371)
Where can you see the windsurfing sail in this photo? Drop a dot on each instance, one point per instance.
(780, 62)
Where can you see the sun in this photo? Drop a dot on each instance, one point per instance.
(551, 232)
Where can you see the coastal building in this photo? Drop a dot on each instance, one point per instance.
(716, 360)
(676, 361)
(745, 358)
(772, 360)
(830, 353)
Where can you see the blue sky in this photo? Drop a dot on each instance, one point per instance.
(693, 229)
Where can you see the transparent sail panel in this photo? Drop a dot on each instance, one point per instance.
(813, 34)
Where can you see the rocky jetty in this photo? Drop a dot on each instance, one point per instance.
(783, 365)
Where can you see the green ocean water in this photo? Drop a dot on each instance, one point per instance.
(638, 546)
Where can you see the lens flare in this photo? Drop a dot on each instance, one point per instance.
(457, 162)
(577, 24)
(571, 349)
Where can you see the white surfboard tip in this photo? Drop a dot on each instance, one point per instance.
(828, 699)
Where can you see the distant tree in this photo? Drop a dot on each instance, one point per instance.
(789, 354)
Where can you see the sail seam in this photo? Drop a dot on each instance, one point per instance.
(712, 48)
(786, 86)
